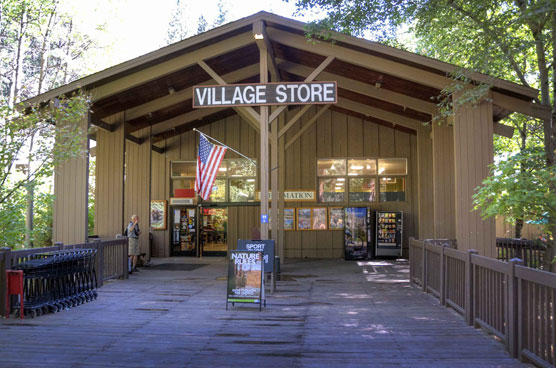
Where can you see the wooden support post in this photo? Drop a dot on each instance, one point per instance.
(469, 290)
(99, 263)
(5, 264)
(442, 275)
(411, 260)
(512, 310)
(263, 65)
(424, 268)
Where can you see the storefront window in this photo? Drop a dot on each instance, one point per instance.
(332, 189)
(184, 168)
(218, 193)
(330, 167)
(241, 167)
(392, 189)
(242, 190)
(362, 189)
(361, 167)
(392, 166)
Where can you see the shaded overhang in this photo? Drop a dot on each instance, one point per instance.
(377, 83)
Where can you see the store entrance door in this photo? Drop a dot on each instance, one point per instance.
(214, 231)
(184, 232)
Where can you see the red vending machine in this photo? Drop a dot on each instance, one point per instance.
(389, 232)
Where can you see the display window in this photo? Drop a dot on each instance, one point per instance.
(392, 189)
(235, 180)
(361, 180)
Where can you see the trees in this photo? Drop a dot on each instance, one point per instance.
(40, 49)
(514, 40)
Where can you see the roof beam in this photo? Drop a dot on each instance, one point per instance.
(183, 119)
(503, 130)
(315, 73)
(362, 88)
(263, 42)
(186, 94)
(101, 124)
(379, 114)
(248, 113)
(134, 139)
(527, 108)
(294, 120)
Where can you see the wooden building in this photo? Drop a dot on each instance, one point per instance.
(374, 148)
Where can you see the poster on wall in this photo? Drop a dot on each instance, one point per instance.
(245, 277)
(336, 218)
(289, 219)
(320, 218)
(158, 214)
(303, 219)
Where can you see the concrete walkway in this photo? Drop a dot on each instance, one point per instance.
(328, 313)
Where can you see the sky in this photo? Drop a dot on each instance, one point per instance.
(136, 27)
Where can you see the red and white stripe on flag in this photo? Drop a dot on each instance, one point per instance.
(208, 162)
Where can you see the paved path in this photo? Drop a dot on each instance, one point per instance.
(329, 313)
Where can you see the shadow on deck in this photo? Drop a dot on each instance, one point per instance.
(327, 313)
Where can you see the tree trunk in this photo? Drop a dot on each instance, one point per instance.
(518, 227)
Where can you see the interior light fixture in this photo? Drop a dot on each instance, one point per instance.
(356, 167)
(222, 169)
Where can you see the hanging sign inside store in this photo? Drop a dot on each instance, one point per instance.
(262, 94)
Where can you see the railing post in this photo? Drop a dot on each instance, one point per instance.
(512, 309)
(4, 265)
(424, 268)
(60, 245)
(442, 275)
(99, 263)
(469, 313)
(124, 246)
(411, 260)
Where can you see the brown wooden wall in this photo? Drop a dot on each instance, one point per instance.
(137, 186)
(71, 192)
(332, 135)
(473, 152)
(425, 200)
(444, 185)
(109, 195)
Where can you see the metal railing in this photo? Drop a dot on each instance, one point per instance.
(514, 302)
(110, 261)
(530, 252)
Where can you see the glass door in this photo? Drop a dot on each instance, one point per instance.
(184, 232)
(214, 231)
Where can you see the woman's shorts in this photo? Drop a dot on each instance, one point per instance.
(133, 246)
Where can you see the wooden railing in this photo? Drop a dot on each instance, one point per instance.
(111, 261)
(515, 303)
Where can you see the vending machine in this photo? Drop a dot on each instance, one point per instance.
(357, 232)
(184, 231)
(389, 231)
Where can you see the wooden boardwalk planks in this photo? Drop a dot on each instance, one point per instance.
(324, 314)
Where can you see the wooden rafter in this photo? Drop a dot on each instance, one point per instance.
(309, 78)
(259, 30)
(248, 113)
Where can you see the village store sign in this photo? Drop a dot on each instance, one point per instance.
(262, 94)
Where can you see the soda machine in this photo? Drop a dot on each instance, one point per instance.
(357, 232)
(389, 231)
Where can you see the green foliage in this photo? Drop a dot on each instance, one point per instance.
(43, 219)
(519, 187)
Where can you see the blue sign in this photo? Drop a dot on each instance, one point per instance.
(264, 219)
(265, 246)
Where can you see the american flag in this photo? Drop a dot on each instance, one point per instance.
(208, 162)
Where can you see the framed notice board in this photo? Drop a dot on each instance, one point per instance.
(245, 278)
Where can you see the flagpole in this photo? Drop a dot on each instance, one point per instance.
(228, 147)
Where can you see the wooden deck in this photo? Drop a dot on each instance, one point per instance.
(324, 314)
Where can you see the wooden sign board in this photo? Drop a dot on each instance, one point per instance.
(245, 277)
(264, 94)
(293, 196)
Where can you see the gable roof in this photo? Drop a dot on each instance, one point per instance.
(375, 81)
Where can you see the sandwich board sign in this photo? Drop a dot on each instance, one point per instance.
(265, 246)
(245, 278)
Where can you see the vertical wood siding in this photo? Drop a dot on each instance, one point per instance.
(426, 196)
(444, 186)
(71, 191)
(109, 190)
(137, 186)
(473, 152)
(332, 135)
